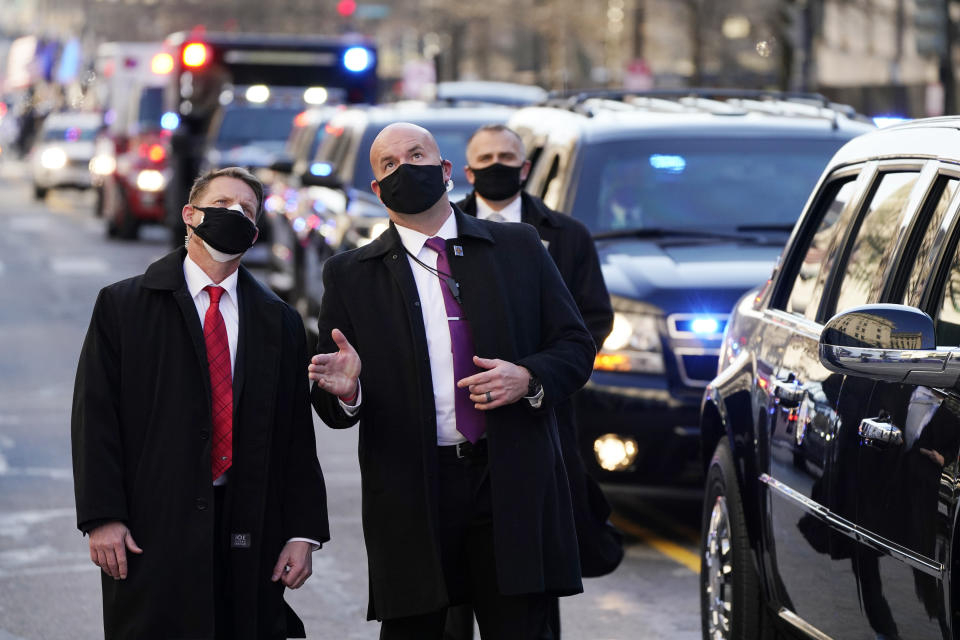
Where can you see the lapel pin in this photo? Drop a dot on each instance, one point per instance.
(457, 250)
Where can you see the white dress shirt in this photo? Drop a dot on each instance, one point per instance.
(513, 212)
(435, 324)
(197, 279)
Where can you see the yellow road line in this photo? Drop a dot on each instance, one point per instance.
(670, 549)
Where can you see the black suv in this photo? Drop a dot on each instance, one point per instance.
(831, 432)
(332, 208)
(690, 198)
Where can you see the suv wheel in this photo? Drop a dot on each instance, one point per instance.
(729, 586)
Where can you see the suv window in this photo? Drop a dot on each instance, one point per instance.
(808, 286)
(924, 243)
(870, 248)
(696, 182)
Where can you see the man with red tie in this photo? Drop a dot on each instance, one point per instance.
(450, 339)
(195, 465)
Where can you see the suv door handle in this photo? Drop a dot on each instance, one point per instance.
(789, 392)
(873, 431)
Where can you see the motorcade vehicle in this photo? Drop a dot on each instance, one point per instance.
(61, 156)
(130, 162)
(334, 209)
(690, 197)
(213, 72)
(830, 434)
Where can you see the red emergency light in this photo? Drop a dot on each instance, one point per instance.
(156, 153)
(195, 55)
(346, 8)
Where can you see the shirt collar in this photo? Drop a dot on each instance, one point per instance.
(513, 212)
(413, 240)
(197, 279)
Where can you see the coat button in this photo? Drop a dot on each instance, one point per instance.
(201, 504)
(394, 256)
(204, 435)
(417, 303)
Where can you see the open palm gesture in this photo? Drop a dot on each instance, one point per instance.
(337, 372)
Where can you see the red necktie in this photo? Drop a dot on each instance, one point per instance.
(470, 421)
(221, 383)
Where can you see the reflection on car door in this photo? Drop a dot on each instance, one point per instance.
(905, 484)
(811, 575)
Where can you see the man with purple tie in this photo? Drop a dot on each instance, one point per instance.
(449, 339)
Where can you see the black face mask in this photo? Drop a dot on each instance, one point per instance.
(497, 182)
(226, 230)
(412, 188)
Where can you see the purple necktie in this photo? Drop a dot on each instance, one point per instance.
(470, 421)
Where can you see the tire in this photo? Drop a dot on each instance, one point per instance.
(127, 227)
(39, 193)
(730, 594)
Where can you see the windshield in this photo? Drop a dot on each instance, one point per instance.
(244, 126)
(698, 183)
(70, 134)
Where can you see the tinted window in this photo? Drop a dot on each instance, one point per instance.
(870, 247)
(808, 285)
(917, 258)
(948, 319)
(698, 182)
(151, 108)
(243, 126)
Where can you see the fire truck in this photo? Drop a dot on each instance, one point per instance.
(216, 73)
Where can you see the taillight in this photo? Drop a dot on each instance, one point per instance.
(195, 55)
(156, 153)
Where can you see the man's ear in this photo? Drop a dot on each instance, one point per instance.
(467, 171)
(447, 169)
(525, 170)
(375, 187)
(188, 212)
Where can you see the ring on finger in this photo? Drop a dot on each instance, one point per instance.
(489, 397)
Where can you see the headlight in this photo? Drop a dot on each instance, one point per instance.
(633, 344)
(615, 453)
(53, 158)
(103, 165)
(150, 180)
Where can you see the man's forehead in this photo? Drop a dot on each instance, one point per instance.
(230, 187)
(487, 141)
(401, 137)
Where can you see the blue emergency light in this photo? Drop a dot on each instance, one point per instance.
(357, 59)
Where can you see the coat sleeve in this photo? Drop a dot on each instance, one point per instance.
(333, 315)
(97, 447)
(564, 361)
(305, 503)
(590, 291)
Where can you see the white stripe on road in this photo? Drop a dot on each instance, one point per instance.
(78, 266)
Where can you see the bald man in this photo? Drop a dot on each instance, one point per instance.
(450, 340)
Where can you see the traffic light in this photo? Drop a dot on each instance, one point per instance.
(930, 25)
(346, 8)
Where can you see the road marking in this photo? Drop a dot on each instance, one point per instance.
(78, 266)
(675, 552)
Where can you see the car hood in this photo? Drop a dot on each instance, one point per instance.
(685, 275)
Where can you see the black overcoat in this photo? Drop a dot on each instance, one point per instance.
(573, 251)
(519, 310)
(141, 454)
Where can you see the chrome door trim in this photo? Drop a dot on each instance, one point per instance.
(800, 624)
(849, 529)
(797, 324)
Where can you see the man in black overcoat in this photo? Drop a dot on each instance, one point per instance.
(497, 168)
(452, 514)
(194, 457)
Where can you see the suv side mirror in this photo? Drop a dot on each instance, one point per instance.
(320, 174)
(889, 342)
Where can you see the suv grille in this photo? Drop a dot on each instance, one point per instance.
(697, 366)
